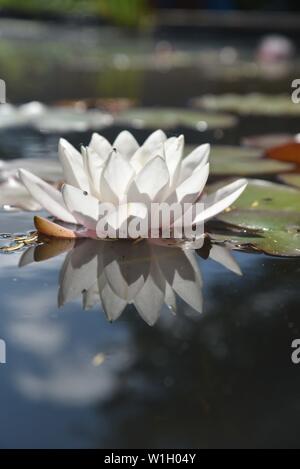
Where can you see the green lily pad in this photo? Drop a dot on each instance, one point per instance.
(229, 160)
(291, 179)
(265, 195)
(254, 103)
(262, 221)
(168, 118)
(266, 217)
(277, 243)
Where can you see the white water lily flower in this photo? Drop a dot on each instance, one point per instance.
(129, 177)
(147, 275)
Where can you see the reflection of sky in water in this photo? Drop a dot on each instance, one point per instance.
(78, 379)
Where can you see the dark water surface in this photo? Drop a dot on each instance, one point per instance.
(223, 378)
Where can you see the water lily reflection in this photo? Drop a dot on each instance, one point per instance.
(148, 275)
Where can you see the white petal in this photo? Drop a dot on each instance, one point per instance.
(123, 213)
(151, 180)
(83, 207)
(101, 146)
(154, 140)
(126, 144)
(194, 161)
(140, 159)
(49, 197)
(220, 200)
(94, 167)
(173, 154)
(72, 164)
(115, 178)
(190, 189)
(151, 148)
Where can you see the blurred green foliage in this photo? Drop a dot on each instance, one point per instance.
(121, 12)
(127, 12)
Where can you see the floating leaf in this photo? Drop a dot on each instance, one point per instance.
(267, 216)
(168, 118)
(107, 104)
(266, 196)
(254, 103)
(13, 194)
(230, 160)
(269, 140)
(46, 168)
(291, 179)
(289, 152)
(276, 243)
(52, 119)
(263, 220)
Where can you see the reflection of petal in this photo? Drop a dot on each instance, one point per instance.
(113, 305)
(126, 266)
(78, 273)
(144, 274)
(91, 297)
(150, 298)
(170, 298)
(27, 257)
(182, 273)
(224, 257)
